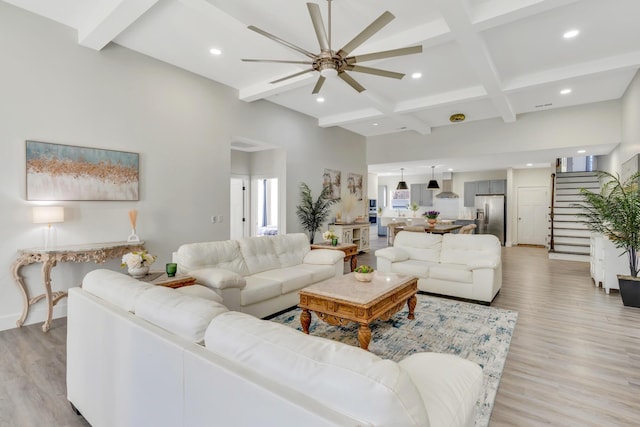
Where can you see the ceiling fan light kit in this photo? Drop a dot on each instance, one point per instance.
(330, 63)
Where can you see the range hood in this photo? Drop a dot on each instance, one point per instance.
(447, 187)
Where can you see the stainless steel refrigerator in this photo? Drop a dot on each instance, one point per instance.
(490, 215)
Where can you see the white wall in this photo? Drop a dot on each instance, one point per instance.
(181, 124)
(630, 129)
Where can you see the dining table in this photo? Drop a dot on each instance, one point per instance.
(436, 229)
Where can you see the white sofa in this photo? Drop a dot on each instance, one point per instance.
(139, 355)
(459, 265)
(259, 275)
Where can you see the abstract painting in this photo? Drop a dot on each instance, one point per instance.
(331, 179)
(354, 184)
(66, 172)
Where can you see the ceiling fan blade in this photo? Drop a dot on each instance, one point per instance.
(351, 82)
(318, 85)
(282, 42)
(373, 28)
(293, 75)
(384, 54)
(318, 26)
(374, 71)
(280, 61)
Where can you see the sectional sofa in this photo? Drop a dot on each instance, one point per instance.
(139, 355)
(259, 275)
(460, 265)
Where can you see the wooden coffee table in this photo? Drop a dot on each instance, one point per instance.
(341, 300)
(161, 279)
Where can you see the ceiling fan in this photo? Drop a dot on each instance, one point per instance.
(331, 63)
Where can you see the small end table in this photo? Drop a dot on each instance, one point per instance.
(160, 278)
(350, 251)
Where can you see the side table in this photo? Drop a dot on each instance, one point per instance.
(90, 252)
(160, 278)
(350, 251)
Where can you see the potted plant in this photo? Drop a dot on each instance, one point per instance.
(313, 213)
(413, 207)
(432, 217)
(363, 273)
(615, 213)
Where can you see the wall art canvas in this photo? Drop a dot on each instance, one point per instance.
(66, 172)
(354, 184)
(331, 178)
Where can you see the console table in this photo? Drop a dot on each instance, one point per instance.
(90, 252)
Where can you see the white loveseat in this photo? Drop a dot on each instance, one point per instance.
(259, 275)
(139, 355)
(460, 265)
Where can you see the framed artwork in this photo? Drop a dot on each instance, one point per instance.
(354, 184)
(66, 172)
(331, 178)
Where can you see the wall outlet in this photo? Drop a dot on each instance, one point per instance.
(220, 218)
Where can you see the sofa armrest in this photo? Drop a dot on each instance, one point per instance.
(393, 254)
(218, 278)
(323, 257)
(485, 262)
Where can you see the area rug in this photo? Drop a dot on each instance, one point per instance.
(476, 332)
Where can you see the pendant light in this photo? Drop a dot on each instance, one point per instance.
(433, 184)
(402, 185)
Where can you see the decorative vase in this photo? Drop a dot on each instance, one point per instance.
(334, 241)
(139, 272)
(432, 221)
(363, 277)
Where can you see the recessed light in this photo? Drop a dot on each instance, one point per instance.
(375, 124)
(450, 169)
(320, 99)
(215, 51)
(571, 34)
(529, 164)
(565, 91)
(416, 75)
(582, 151)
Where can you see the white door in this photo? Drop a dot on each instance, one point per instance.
(239, 209)
(533, 221)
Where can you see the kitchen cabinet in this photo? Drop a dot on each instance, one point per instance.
(487, 186)
(470, 190)
(353, 233)
(421, 195)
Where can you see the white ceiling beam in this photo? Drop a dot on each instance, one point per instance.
(584, 69)
(500, 12)
(477, 53)
(266, 89)
(350, 117)
(107, 23)
(441, 99)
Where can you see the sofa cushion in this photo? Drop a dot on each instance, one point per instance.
(292, 278)
(259, 253)
(419, 246)
(224, 254)
(342, 377)
(449, 386)
(200, 292)
(218, 278)
(323, 257)
(319, 272)
(413, 267)
(291, 248)
(183, 315)
(117, 288)
(259, 289)
(451, 272)
(460, 248)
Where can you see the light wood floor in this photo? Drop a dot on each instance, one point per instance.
(574, 358)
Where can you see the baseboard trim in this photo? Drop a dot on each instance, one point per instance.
(36, 315)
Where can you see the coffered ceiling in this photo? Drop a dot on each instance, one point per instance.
(485, 58)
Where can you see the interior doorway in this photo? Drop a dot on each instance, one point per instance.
(265, 206)
(533, 222)
(239, 207)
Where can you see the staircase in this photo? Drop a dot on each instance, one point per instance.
(570, 237)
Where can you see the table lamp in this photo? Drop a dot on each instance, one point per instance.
(48, 215)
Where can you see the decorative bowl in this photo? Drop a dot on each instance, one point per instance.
(363, 277)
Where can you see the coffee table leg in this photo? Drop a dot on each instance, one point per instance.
(364, 336)
(411, 303)
(305, 320)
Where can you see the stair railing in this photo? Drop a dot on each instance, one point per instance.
(551, 212)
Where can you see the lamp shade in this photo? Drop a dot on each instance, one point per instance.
(48, 214)
(402, 185)
(433, 185)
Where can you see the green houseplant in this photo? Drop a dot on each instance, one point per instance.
(313, 213)
(615, 213)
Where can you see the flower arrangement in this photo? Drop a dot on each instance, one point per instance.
(137, 259)
(329, 235)
(363, 273)
(364, 269)
(431, 214)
